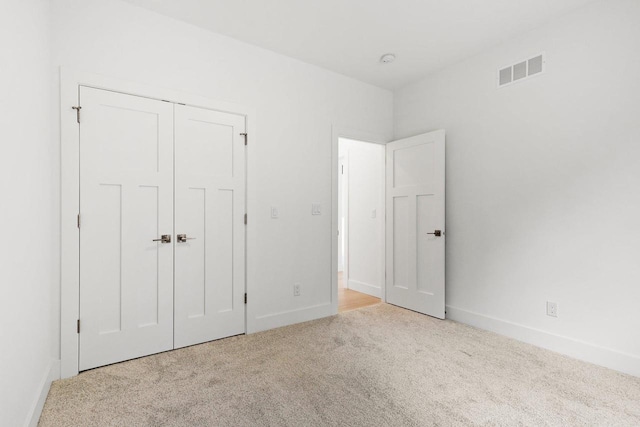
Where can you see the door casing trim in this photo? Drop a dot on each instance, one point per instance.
(70, 82)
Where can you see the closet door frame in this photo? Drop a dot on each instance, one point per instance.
(70, 83)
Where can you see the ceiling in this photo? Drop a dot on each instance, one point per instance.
(349, 36)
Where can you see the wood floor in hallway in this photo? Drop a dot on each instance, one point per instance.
(352, 300)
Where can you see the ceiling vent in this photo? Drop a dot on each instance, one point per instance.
(521, 70)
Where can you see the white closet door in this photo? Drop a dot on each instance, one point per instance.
(126, 201)
(209, 212)
(415, 223)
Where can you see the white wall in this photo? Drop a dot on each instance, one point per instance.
(289, 157)
(365, 193)
(543, 201)
(27, 213)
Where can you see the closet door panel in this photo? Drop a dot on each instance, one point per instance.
(126, 202)
(209, 219)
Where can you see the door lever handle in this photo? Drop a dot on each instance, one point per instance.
(182, 238)
(436, 233)
(165, 238)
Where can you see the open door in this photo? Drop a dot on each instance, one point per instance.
(415, 223)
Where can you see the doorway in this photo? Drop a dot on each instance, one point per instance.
(412, 263)
(161, 226)
(201, 280)
(361, 224)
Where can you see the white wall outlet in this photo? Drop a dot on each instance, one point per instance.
(274, 212)
(374, 214)
(316, 209)
(296, 290)
(552, 309)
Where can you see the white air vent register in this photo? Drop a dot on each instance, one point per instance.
(522, 70)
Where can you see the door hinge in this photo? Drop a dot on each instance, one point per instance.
(78, 108)
(78, 220)
(245, 219)
(245, 297)
(78, 325)
(246, 137)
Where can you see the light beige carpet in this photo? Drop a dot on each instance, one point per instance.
(379, 366)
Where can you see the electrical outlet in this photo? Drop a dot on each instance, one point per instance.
(552, 309)
(274, 212)
(296, 290)
(316, 209)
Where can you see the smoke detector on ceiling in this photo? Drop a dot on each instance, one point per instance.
(387, 58)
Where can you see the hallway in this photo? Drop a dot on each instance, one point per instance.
(352, 300)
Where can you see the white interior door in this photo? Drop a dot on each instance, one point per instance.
(209, 212)
(415, 223)
(126, 201)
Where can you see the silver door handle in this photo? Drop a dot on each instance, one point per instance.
(183, 238)
(165, 238)
(436, 233)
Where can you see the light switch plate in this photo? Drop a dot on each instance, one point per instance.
(316, 209)
(274, 212)
(552, 309)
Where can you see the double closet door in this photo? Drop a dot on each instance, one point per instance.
(162, 234)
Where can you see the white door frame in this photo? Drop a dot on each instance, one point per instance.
(341, 182)
(345, 214)
(70, 81)
(338, 132)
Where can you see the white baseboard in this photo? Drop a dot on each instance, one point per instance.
(276, 320)
(365, 288)
(623, 362)
(52, 374)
